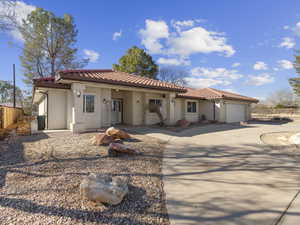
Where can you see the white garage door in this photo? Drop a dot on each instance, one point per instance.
(235, 113)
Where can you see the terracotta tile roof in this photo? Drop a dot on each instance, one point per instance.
(125, 79)
(211, 93)
(117, 78)
(49, 82)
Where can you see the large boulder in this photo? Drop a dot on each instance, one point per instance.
(101, 139)
(295, 139)
(101, 189)
(117, 133)
(121, 148)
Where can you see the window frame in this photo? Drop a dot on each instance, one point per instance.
(192, 108)
(84, 102)
(156, 100)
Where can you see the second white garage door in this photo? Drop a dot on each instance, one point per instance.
(235, 113)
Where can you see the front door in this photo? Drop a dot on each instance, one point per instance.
(116, 111)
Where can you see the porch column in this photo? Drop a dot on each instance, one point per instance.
(171, 108)
(77, 124)
(222, 117)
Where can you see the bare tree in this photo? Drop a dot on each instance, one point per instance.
(173, 75)
(283, 97)
(7, 15)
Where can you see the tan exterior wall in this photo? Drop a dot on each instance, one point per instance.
(126, 98)
(179, 109)
(138, 108)
(69, 108)
(66, 107)
(42, 107)
(152, 118)
(92, 120)
(105, 107)
(192, 117)
(206, 108)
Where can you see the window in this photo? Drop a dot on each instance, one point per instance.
(88, 103)
(191, 107)
(153, 102)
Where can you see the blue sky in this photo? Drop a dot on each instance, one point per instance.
(243, 46)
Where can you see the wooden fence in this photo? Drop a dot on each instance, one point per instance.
(10, 116)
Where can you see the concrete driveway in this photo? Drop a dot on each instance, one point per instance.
(224, 174)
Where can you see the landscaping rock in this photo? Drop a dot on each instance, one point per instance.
(183, 123)
(295, 139)
(117, 133)
(108, 190)
(122, 148)
(101, 139)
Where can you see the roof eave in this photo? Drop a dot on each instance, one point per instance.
(62, 78)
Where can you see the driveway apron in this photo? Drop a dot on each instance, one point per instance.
(224, 174)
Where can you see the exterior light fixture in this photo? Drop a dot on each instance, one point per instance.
(78, 94)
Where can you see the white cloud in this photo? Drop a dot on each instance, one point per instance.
(183, 24)
(178, 25)
(207, 77)
(20, 10)
(258, 80)
(287, 43)
(199, 40)
(259, 65)
(197, 82)
(216, 73)
(151, 35)
(173, 61)
(286, 27)
(285, 64)
(230, 90)
(92, 55)
(235, 65)
(158, 40)
(117, 35)
(296, 29)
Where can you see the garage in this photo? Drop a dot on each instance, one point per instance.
(235, 113)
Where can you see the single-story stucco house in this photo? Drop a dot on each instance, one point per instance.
(87, 99)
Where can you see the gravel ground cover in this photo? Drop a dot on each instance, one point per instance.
(40, 177)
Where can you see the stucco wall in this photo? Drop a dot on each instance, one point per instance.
(105, 100)
(42, 107)
(92, 120)
(206, 108)
(192, 117)
(70, 103)
(138, 108)
(152, 118)
(126, 98)
(179, 109)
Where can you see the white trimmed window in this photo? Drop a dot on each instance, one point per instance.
(88, 103)
(191, 107)
(154, 102)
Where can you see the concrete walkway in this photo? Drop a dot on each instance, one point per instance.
(223, 174)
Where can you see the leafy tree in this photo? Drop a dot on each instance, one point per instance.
(6, 93)
(49, 44)
(173, 75)
(137, 61)
(295, 82)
